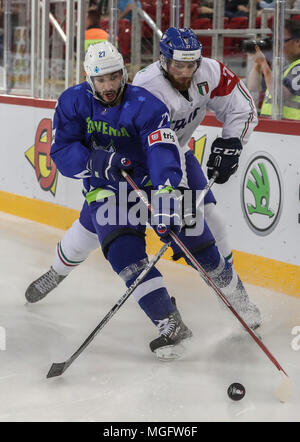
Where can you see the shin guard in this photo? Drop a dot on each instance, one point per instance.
(127, 257)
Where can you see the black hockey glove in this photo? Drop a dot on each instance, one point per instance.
(224, 158)
(107, 165)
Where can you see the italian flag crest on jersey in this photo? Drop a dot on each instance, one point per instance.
(203, 88)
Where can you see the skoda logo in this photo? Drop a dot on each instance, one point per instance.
(261, 194)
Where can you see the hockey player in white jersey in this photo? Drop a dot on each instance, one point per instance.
(189, 85)
(187, 107)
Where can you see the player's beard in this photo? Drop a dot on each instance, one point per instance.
(182, 84)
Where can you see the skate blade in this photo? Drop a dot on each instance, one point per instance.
(170, 352)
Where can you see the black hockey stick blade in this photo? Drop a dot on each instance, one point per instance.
(57, 369)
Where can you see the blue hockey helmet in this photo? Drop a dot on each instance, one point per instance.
(181, 45)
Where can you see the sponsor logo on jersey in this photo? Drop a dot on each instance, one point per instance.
(261, 194)
(155, 137)
(165, 118)
(38, 156)
(162, 136)
(180, 124)
(203, 88)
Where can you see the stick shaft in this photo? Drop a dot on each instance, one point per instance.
(122, 300)
(58, 368)
(206, 189)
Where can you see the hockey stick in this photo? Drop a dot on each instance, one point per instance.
(283, 391)
(59, 368)
(207, 188)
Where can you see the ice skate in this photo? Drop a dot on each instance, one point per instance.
(252, 316)
(39, 288)
(246, 309)
(172, 331)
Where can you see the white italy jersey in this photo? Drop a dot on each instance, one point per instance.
(214, 87)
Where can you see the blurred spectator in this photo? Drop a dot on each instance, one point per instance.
(206, 9)
(125, 8)
(266, 3)
(101, 6)
(93, 34)
(239, 8)
(291, 74)
(236, 8)
(296, 4)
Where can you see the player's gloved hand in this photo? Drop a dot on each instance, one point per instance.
(167, 212)
(224, 158)
(108, 165)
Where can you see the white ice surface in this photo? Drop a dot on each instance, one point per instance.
(117, 378)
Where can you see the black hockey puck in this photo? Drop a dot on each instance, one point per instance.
(236, 391)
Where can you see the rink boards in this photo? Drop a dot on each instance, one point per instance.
(261, 203)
